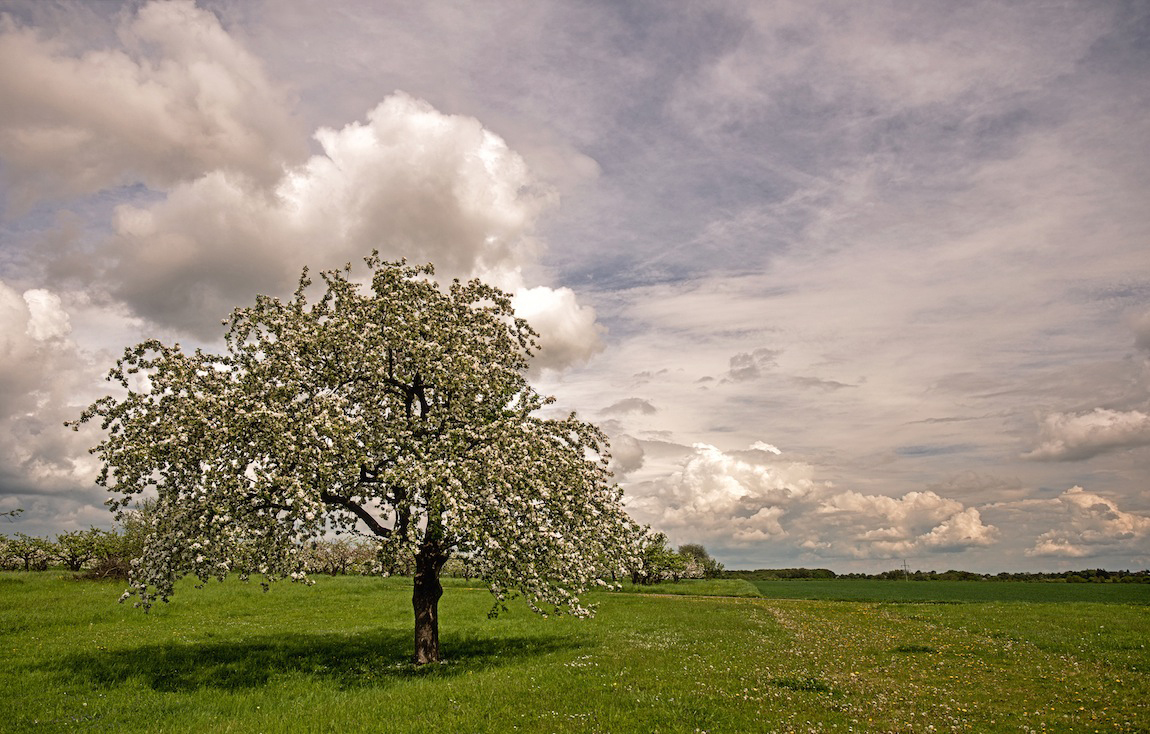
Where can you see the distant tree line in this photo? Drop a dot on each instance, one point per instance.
(771, 574)
(1090, 575)
(93, 551)
(108, 554)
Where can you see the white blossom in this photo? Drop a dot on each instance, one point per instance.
(402, 412)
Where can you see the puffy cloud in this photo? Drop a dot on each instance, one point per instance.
(409, 181)
(1089, 525)
(740, 499)
(745, 498)
(868, 526)
(964, 529)
(46, 318)
(209, 246)
(38, 375)
(32, 325)
(182, 97)
(568, 332)
(416, 182)
(1071, 437)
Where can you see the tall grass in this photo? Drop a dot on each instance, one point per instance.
(334, 657)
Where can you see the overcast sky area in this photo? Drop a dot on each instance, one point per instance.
(848, 284)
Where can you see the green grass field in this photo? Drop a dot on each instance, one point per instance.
(334, 658)
(950, 591)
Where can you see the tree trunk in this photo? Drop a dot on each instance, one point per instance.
(425, 601)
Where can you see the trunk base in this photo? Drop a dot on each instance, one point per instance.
(425, 603)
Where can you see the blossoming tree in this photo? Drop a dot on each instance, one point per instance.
(399, 411)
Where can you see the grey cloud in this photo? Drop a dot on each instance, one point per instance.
(627, 455)
(815, 383)
(630, 405)
(927, 450)
(752, 365)
(977, 488)
(181, 98)
(1141, 327)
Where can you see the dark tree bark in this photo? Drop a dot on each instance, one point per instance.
(425, 601)
(426, 590)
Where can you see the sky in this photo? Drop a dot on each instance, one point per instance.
(849, 285)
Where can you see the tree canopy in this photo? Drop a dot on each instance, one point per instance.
(400, 411)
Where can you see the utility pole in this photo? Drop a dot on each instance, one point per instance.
(905, 571)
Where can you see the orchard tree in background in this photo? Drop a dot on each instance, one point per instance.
(34, 553)
(401, 411)
(652, 560)
(78, 547)
(698, 557)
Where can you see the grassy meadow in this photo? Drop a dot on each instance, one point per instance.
(951, 591)
(334, 658)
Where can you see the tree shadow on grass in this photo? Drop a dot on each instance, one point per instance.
(368, 660)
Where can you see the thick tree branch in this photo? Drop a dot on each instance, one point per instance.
(358, 510)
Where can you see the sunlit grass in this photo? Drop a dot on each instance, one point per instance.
(334, 657)
(951, 591)
(696, 587)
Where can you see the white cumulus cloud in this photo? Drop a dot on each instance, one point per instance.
(1087, 525)
(755, 497)
(1072, 437)
(409, 181)
(40, 370)
(870, 526)
(568, 331)
(32, 325)
(46, 317)
(716, 494)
